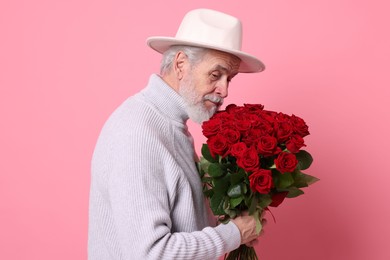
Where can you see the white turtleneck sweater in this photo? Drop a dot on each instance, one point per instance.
(146, 199)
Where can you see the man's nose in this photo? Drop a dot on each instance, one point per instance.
(222, 88)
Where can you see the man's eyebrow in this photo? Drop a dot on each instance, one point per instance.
(225, 69)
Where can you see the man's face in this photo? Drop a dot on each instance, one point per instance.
(205, 85)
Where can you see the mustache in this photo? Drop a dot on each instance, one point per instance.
(214, 99)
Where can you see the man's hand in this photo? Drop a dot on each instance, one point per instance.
(247, 226)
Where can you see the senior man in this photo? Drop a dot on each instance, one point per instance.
(146, 199)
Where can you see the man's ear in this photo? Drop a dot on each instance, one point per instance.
(179, 64)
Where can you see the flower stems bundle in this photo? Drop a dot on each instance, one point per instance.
(243, 252)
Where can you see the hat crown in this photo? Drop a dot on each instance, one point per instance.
(211, 27)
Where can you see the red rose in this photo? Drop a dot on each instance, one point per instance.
(232, 135)
(261, 181)
(223, 116)
(242, 125)
(254, 119)
(238, 149)
(211, 127)
(286, 162)
(240, 113)
(217, 145)
(228, 124)
(230, 108)
(283, 132)
(265, 127)
(281, 117)
(268, 145)
(249, 161)
(269, 116)
(295, 143)
(254, 107)
(251, 137)
(299, 126)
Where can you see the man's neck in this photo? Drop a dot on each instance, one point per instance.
(171, 81)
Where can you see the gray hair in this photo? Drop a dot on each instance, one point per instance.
(194, 54)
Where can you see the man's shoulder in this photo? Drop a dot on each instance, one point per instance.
(135, 117)
(137, 109)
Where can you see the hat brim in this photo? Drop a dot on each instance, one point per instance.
(249, 63)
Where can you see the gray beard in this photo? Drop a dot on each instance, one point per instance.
(196, 110)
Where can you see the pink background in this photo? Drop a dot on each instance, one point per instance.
(66, 65)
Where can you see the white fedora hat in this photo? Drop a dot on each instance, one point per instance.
(210, 29)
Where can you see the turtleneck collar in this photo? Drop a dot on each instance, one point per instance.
(165, 99)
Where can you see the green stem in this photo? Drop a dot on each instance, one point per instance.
(242, 253)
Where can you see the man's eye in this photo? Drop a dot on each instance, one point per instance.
(214, 75)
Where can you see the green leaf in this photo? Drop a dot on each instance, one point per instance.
(310, 179)
(206, 153)
(264, 200)
(303, 180)
(259, 226)
(215, 170)
(244, 188)
(231, 212)
(235, 191)
(237, 177)
(208, 193)
(248, 201)
(234, 202)
(199, 168)
(221, 185)
(204, 164)
(253, 205)
(226, 204)
(304, 160)
(294, 192)
(284, 180)
(299, 179)
(216, 204)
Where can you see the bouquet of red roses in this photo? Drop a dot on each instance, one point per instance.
(252, 160)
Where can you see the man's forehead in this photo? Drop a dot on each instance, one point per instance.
(224, 61)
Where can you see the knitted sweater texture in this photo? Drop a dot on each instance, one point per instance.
(146, 199)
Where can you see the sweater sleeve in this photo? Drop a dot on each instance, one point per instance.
(142, 194)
